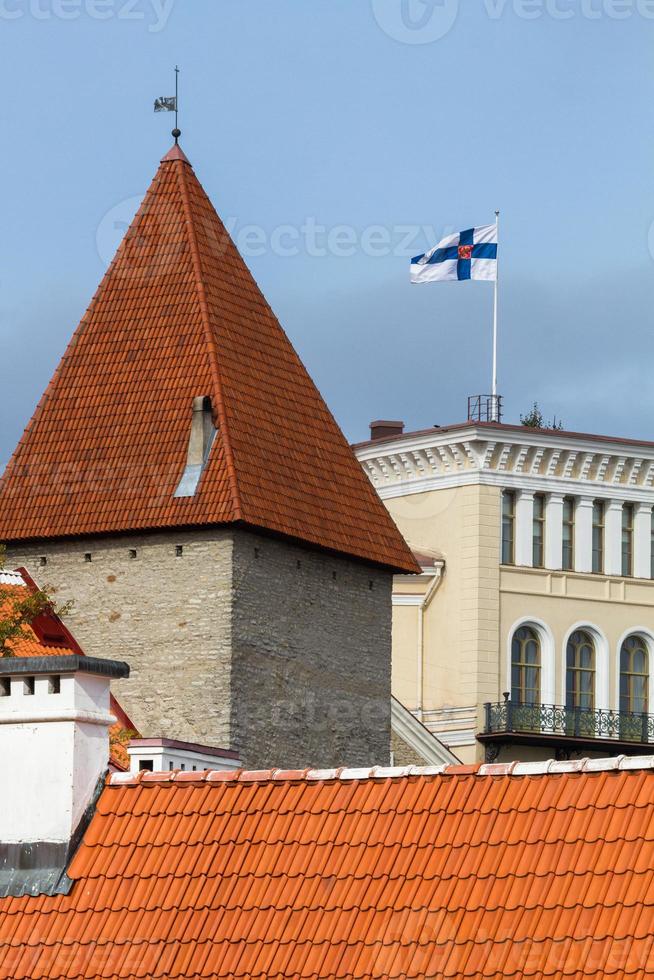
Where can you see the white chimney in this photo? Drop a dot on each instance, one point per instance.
(54, 744)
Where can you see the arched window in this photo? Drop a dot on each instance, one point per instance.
(580, 672)
(525, 666)
(634, 676)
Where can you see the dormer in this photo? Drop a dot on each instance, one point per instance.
(201, 437)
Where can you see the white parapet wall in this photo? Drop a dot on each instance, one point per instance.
(168, 754)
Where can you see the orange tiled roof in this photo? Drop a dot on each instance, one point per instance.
(49, 637)
(179, 316)
(120, 733)
(461, 872)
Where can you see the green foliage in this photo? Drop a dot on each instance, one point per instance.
(17, 612)
(123, 737)
(535, 419)
(119, 740)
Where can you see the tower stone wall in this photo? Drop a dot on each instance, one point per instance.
(235, 639)
(311, 656)
(167, 614)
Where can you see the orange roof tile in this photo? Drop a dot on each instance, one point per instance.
(48, 636)
(179, 316)
(507, 871)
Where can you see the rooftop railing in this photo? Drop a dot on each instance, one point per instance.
(552, 719)
(485, 408)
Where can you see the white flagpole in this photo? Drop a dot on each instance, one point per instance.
(497, 276)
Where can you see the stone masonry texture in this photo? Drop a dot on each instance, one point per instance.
(403, 754)
(167, 615)
(235, 639)
(311, 666)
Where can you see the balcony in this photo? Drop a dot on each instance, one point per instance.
(566, 730)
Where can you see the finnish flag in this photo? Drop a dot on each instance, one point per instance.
(468, 254)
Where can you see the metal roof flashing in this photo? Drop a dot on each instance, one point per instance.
(64, 664)
(40, 867)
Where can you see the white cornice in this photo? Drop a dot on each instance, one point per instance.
(408, 600)
(522, 459)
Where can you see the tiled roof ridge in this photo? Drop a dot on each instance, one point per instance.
(546, 767)
(11, 578)
(176, 153)
(209, 337)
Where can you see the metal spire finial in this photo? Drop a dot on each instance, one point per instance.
(176, 132)
(171, 104)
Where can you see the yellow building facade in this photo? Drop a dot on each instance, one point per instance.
(530, 633)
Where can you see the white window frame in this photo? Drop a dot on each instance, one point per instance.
(602, 668)
(648, 636)
(547, 656)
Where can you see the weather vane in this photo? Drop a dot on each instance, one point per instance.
(170, 104)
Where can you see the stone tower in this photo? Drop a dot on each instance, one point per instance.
(184, 483)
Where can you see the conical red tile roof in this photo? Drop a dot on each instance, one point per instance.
(178, 316)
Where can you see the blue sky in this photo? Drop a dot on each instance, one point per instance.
(328, 133)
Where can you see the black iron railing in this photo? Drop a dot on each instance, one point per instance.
(485, 408)
(553, 719)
